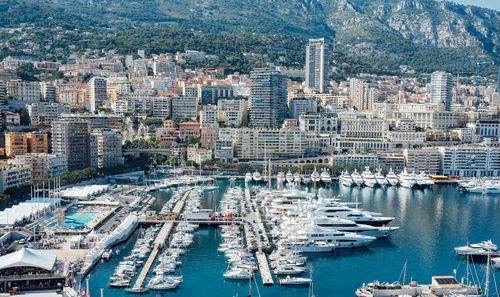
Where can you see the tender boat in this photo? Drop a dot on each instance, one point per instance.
(289, 281)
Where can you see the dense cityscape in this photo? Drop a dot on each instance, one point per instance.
(117, 169)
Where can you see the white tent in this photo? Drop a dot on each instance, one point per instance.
(21, 211)
(28, 258)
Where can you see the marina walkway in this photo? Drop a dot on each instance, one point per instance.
(265, 272)
(160, 240)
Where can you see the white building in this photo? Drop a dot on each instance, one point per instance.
(14, 176)
(23, 90)
(224, 151)
(426, 160)
(364, 128)
(96, 92)
(106, 148)
(258, 144)
(316, 66)
(470, 161)
(184, 108)
(45, 112)
(161, 106)
(319, 122)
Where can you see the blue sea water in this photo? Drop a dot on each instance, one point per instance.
(433, 221)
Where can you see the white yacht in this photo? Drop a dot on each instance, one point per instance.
(289, 177)
(288, 281)
(288, 269)
(280, 178)
(346, 179)
(368, 178)
(479, 249)
(406, 180)
(359, 217)
(306, 179)
(315, 177)
(161, 282)
(238, 273)
(257, 177)
(310, 233)
(296, 178)
(248, 177)
(344, 225)
(392, 178)
(381, 180)
(357, 178)
(325, 176)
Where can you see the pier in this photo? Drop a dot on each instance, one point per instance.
(265, 272)
(160, 240)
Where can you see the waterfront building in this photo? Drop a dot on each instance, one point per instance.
(106, 148)
(426, 160)
(394, 160)
(355, 160)
(71, 138)
(340, 144)
(203, 155)
(470, 161)
(43, 166)
(184, 108)
(316, 66)
(441, 90)
(189, 129)
(30, 269)
(268, 97)
(258, 144)
(15, 144)
(319, 123)
(297, 107)
(96, 92)
(224, 151)
(23, 90)
(12, 175)
(43, 113)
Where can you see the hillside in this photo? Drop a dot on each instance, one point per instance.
(421, 33)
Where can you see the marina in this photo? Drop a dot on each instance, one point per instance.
(202, 263)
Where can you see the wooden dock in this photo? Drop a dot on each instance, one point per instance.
(265, 273)
(160, 240)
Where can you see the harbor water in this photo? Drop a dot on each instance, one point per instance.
(433, 222)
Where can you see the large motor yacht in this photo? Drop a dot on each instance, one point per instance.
(311, 233)
(381, 180)
(346, 179)
(325, 176)
(248, 177)
(406, 179)
(392, 178)
(315, 177)
(289, 177)
(257, 177)
(357, 178)
(368, 178)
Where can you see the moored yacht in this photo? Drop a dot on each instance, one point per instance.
(406, 179)
(296, 178)
(257, 177)
(346, 179)
(357, 178)
(325, 176)
(289, 177)
(280, 178)
(311, 233)
(379, 177)
(368, 178)
(306, 179)
(392, 178)
(315, 176)
(344, 225)
(248, 177)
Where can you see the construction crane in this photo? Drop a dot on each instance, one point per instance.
(478, 76)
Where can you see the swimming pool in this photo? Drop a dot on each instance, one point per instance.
(77, 220)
